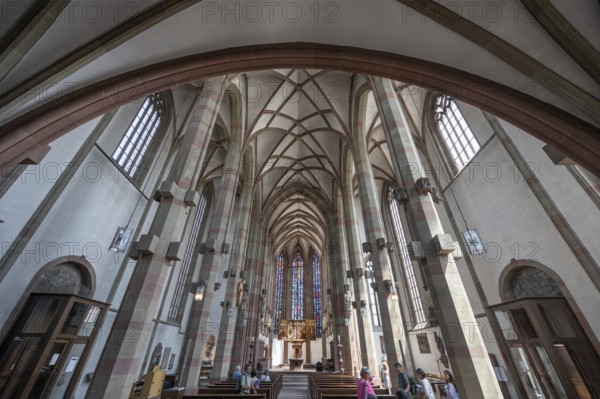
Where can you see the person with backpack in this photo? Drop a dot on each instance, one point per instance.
(246, 386)
(404, 391)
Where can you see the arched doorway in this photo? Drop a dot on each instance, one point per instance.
(537, 330)
(50, 339)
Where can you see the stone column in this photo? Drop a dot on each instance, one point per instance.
(339, 265)
(126, 346)
(466, 349)
(240, 346)
(212, 261)
(365, 324)
(228, 321)
(257, 271)
(391, 318)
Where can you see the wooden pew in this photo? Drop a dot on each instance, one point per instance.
(341, 396)
(323, 392)
(172, 393)
(223, 396)
(338, 381)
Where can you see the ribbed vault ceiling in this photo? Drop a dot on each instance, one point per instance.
(298, 126)
(298, 120)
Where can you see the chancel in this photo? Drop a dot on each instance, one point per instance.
(308, 188)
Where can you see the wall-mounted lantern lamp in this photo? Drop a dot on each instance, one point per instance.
(199, 292)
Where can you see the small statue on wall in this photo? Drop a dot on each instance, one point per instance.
(442, 348)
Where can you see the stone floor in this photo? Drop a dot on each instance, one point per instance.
(295, 386)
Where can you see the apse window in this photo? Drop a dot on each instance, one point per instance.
(136, 142)
(460, 142)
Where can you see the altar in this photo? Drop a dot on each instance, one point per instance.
(296, 364)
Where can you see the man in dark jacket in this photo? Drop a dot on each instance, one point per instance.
(404, 391)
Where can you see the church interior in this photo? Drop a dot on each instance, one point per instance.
(307, 187)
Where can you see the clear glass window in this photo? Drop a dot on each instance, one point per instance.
(460, 141)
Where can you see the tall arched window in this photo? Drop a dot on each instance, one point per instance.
(316, 266)
(178, 303)
(278, 311)
(409, 272)
(130, 152)
(298, 287)
(373, 300)
(461, 144)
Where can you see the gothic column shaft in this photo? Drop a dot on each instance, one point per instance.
(212, 261)
(223, 354)
(126, 346)
(339, 278)
(259, 277)
(240, 345)
(467, 352)
(391, 318)
(365, 325)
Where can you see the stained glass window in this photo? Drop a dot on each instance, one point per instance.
(278, 293)
(409, 272)
(298, 287)
(316, 265)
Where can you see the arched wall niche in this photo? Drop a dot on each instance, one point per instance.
(65, 275)
(517, 281)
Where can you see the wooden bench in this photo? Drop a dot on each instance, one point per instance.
(345, 391)
(338, 381)
(341, 396)
(172, 393)
(223, 396)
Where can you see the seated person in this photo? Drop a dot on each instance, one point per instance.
(364, 390)
(265, 376)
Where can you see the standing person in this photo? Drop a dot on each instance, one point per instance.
(364, 390)
(427, 389)
(449, 387)
(246, 382)
(404, 391)
(385, 376)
